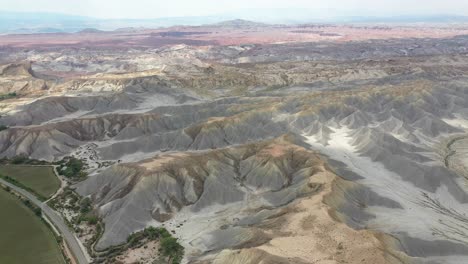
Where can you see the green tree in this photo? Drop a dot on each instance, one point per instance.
(37, 211)
(85, 205)
(172, 249)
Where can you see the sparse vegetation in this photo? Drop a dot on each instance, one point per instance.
(170, 251)
(71, 201)
(170, 248)
(86, 213)
(79, 215)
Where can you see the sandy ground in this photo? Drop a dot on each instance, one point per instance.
(144, 254)
(308, 232)
(159, 161)
(315, 237)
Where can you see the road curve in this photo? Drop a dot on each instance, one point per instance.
(71, 240)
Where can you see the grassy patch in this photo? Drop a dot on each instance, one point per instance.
(41, 180)
(24, 237)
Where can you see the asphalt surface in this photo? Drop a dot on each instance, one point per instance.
(57, 220)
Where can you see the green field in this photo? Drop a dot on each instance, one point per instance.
(41, 179)
(24, 238)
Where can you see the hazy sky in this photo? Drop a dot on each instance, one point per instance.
(171, 8)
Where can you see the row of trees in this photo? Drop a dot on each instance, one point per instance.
(8, 96)
(37, 210)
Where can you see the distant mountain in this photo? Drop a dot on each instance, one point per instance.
(28, 22)
(32, 22)
(239, 23)
(410, 19)
(129, 29)
(90, 30)
(328, 15)
(19, 22)
(35, 30)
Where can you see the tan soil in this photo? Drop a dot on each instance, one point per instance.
(308, 233)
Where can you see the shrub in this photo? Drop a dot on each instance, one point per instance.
(85, 205)
(172, 249)
(91, 218)
(37, 211)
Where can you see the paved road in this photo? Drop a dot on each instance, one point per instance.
(57, 220)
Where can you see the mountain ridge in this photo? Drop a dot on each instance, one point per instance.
(14, 22)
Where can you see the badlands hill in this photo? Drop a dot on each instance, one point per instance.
(291, 144)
